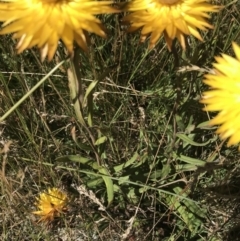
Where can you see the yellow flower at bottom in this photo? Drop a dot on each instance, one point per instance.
(43, 23)
(225, 96)
(51, 204)
(174, 18)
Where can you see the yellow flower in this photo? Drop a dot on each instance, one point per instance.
(224, 96)
(43, 23)
(51, 204)
(173, 18)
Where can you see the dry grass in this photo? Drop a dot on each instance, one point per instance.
(133, 106)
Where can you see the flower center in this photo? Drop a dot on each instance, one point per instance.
(169, 2)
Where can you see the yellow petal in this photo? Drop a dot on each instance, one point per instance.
(173, 18)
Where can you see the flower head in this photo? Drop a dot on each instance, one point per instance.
(51, 204)
(224, 96)
(173, 18)
(43, 23)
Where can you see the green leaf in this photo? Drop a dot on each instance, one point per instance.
(100, 140)
(186, 167)
(72, 80)
(83, 146)
(156, 175)
(192, 206)
(132, 196)
(141, 160)
(159, 174)
(190, 160)
(126, 164)
(90, 111)
(189, 212)
(205, 126)
(73, 158)
(89, 97)
(90, 89)
(123, 180)
(166, 170)
(190, 141)
(109, 184)
(94, 182)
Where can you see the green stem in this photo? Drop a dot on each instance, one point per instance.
(30, 92)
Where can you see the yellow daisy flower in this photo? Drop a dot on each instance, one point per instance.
(43, 23)
(51, 204)
(173, 18)
(224, 96)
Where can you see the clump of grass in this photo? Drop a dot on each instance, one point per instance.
(171, 176)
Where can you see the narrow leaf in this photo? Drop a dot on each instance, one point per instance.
(190, 141)
(100, 140)
(109, 184)
(73, 158)
(90, 89)
(126, 164)
(191, 160)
